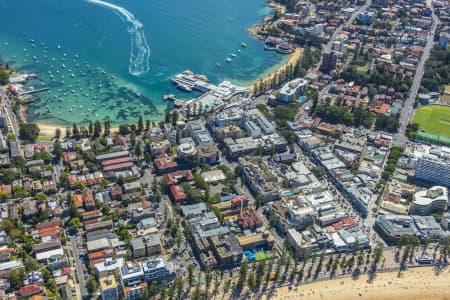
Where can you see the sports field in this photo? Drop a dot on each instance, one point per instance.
(434, 119)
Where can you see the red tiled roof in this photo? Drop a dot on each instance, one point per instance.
(178, 193)
(97, 255)
(49, 231)
(69, 156)
(236, 200)
(164, 161)
(176, 177)
(29, 290)
(118, 166)
(88, 213)
(115, 161)
(77, 200)
(72, 180)
(87, 196)
(44, 225)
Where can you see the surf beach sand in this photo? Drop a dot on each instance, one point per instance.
(414, 284)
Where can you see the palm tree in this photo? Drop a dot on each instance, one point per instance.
(191, 275)
(269, 269)
(179, 284)
(226, 287)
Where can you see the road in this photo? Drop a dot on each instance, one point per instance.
(408, 109)
(78, 267)
(6, 105)
(327, 48)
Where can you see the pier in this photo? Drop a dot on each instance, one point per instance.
(27, 100)
(176, 102)
(189, 80)
(34, 91)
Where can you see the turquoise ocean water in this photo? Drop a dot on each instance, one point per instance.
(116, 60)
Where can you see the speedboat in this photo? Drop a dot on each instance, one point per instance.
(233, 55)
(243, 45)
(218, 64)
(229, 59)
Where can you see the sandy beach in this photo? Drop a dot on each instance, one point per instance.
(293, 59)
(414, 284)
(48, 130)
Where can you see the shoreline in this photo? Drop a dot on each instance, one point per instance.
(414, 283)
(47, 130)
(269, 74)
(254, 29)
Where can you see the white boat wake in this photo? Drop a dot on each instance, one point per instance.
(140, 51)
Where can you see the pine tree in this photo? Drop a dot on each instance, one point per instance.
(168, 116)
(68, 132)
(175, 117)
(140, 124)
(75, 131)
(188, 110)
(97, 129)
(107, 126)
(90, 128)
(137, 150)
(57, 133)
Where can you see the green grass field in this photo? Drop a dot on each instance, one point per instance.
(434, 119)
(261, 255)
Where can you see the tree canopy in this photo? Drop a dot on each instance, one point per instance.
(29, 131)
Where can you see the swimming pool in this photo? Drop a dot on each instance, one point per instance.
(286, 193)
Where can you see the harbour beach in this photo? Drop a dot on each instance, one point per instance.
(48, 130)
(292, 60)
(414, 284)
(104, 79)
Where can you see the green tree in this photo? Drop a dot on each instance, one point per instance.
(30, 264)
(138, 150)
(74, 224)
(191, 275)
(140, 125)
(179, 284)
(58, 133)
(4, 77)
(226, 286)
(57, 150)
(29, 131)
(163, 290)
(97, 129)
(107, 125)
(153, 289)
(91, 285)
(90, 128)
(124, 129)
(251, 281)
(75, 131)
(175, 117)
(16, 278)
